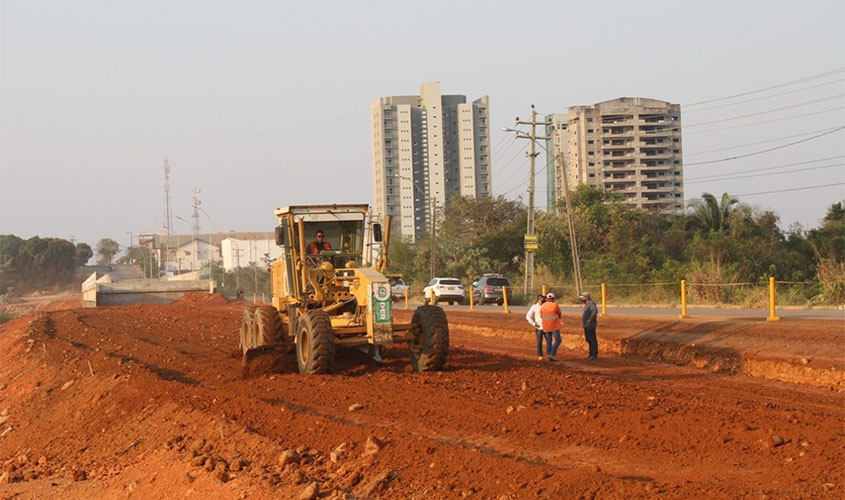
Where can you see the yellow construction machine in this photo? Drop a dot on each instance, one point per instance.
(325, 297)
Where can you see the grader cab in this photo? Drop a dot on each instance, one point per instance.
(325, 298)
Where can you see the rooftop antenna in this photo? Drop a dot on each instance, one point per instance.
(167, 223)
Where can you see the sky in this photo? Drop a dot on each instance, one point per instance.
(262, 104)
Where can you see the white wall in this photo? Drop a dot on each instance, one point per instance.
(243, 252)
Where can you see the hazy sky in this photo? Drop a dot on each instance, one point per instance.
(266, 103)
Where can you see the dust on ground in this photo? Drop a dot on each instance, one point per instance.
(148, 402)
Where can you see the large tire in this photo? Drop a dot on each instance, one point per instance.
(268, 326)
(247, 330)
(430, 339)
(315, 349)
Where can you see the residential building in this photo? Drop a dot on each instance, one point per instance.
(426, 149)
(630, 145)
(179, 253)
(244, 252)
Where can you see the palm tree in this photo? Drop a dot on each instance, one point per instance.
(710, 215)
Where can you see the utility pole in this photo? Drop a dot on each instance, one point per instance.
(576, 261)
(530, 240)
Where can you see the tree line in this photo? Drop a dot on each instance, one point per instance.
(36, 263)
(716, 241)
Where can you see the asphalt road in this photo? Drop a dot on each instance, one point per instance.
(666, 311)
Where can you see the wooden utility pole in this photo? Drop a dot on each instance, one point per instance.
(529, 233)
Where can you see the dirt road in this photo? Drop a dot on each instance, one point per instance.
(147, 402)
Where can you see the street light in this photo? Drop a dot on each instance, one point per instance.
(193, 244)
(433, 217)
(208, 251)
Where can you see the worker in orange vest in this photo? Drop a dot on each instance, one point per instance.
(550, 313)
(318, 245)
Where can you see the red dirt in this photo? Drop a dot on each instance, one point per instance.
(166, 394)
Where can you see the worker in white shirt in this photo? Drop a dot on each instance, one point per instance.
(536, 320)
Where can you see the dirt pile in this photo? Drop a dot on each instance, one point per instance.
(147, 402)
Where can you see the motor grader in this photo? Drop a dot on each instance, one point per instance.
(325, 297)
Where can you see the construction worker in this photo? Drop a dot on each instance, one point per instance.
(536, 320)
(318, 245)
(550, 313)
(588, 320)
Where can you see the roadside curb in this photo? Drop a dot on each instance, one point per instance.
(703, 357)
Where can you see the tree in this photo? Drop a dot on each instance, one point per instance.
(107, 248)
(144, 257)
(83, 253)
(711, 215)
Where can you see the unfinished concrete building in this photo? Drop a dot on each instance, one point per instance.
(427, 149)
(629, 145)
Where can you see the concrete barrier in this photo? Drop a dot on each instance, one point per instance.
(101, 290)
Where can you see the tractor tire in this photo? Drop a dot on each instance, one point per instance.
(247, 330)
(315, 349)
(268, 326)
(430, 339)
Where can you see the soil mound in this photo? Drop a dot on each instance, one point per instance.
(203, 299)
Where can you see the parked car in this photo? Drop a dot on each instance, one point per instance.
(488, 289)
(449, 290)
(397, 286)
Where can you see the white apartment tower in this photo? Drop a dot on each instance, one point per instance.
(427, 149)
(631, 145)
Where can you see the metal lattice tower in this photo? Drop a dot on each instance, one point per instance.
(167, 223)
(196, 213)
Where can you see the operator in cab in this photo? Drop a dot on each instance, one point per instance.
(318, 245)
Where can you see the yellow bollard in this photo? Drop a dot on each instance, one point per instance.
(406, 299)
(263, 299)
(684, 314)
(254, 298)
(432, 299)
(772, 316)
(505, 299)
(603, 301)
(471, 303)
(544, 291)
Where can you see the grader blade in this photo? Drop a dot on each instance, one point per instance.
(267, 359)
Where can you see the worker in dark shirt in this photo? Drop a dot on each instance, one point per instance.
(588, 319)
(318, 245)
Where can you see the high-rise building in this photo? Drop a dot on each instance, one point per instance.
(427, 149)
(629, 145)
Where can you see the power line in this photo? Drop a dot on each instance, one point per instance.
(765, 150)
(729, 178)
(792, 189)
(757, 91)
(773, 168)
(512, 172)
(758, 142)
(764, 97)
(674, 129)
(514, 157)
(739, 117)
(502, 153)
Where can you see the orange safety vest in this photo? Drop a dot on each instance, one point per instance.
(314, 249)
(550, 312)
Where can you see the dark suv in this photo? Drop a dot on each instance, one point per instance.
(488, 289)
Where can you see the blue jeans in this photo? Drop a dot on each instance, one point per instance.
(540, 335)
(556, 344)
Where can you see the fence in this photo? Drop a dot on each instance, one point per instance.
(765, 294)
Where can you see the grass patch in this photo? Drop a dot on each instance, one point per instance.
(6, 316)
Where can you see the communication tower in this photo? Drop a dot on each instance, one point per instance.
(167, 223)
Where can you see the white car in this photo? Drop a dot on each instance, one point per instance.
(397, 288)
(449, 290)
